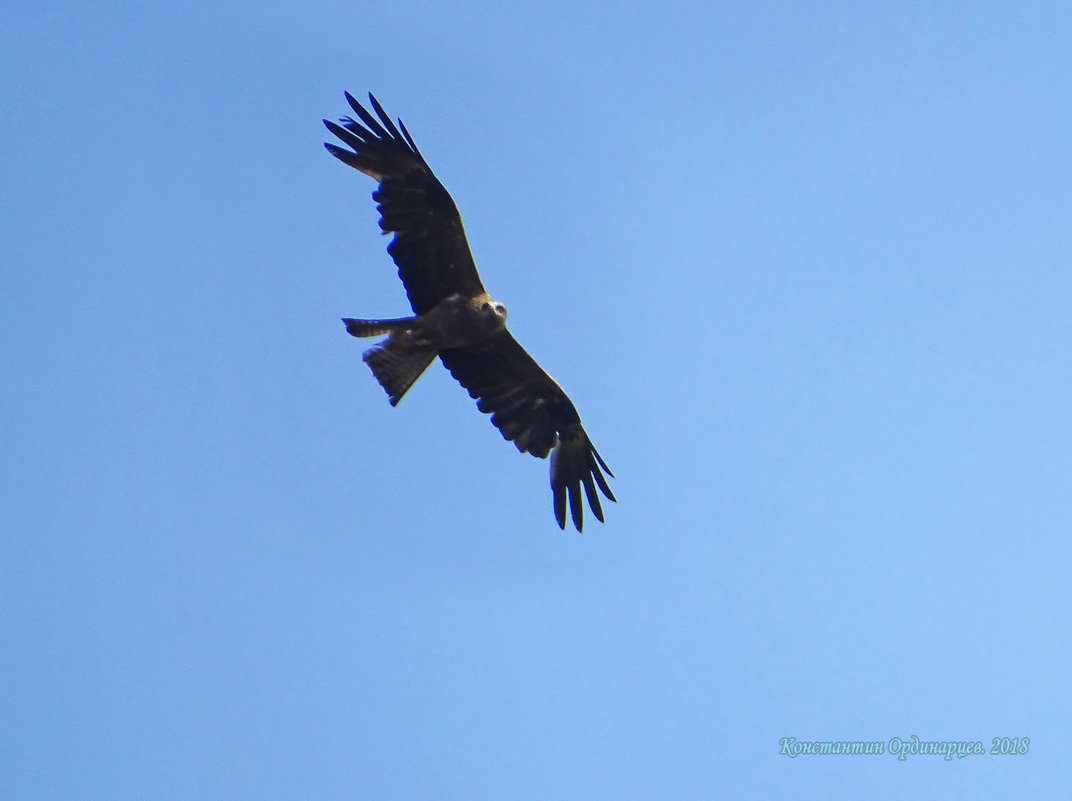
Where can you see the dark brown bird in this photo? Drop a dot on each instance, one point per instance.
(456, 319)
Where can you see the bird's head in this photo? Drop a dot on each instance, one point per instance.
(493, 309)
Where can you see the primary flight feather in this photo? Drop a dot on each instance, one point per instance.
(455, 318)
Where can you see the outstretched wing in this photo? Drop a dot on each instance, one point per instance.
(532, 411)
(429, 245)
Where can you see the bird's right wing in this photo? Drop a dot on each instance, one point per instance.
(531, 410)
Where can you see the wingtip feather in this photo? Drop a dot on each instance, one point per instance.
(560, 507)
(576, 506)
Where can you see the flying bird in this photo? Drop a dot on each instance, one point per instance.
(455, 318)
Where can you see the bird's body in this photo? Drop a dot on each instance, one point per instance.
(454, 322)
(456, 319)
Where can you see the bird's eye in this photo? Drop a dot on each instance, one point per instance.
(500, 308)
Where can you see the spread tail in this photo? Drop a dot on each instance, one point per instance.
(397, 367)
(400, 359)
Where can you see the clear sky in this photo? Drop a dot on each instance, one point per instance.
(803, 268)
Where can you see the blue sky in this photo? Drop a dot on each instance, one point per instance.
(804, 270)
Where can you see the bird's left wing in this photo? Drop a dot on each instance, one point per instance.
(531, 410)
(429, 245)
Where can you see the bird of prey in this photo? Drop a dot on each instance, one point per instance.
(455, 319)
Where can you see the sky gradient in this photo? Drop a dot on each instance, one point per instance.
(803, 269)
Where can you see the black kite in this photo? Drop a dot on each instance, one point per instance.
(455, 318)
